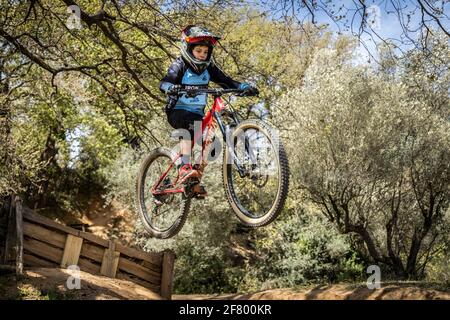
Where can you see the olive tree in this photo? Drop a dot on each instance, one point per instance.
(373, 154)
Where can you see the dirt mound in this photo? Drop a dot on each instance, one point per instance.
(333, 292)
(48, 284)
(110, 222)
(45, 284)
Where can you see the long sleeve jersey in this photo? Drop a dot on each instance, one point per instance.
(180, 73)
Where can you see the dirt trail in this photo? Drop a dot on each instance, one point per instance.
(45, 283)
(333, 292)
(42, 283)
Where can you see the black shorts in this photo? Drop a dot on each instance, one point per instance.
(183, 119)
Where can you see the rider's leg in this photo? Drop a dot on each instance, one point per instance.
(182, 119)
(186, 171)
(185, 150)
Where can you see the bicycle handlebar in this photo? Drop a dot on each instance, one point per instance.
(213, 91)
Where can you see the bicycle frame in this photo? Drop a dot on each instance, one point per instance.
(210, 121)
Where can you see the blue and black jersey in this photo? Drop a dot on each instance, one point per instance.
(180, 73)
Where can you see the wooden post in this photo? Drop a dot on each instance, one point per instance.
(110, 261)
(19, 235)
(13, 255)
(167, 274)
(8, 254)
(71, 251)
(4, 213)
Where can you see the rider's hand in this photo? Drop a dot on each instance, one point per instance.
(174, 89)
(249, 89)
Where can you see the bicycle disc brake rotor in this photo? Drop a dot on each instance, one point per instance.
(165, 198)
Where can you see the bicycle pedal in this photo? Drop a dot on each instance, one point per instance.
(199, 191)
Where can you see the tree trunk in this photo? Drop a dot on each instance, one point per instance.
(48, 157)
(397, 264)
(419, 235)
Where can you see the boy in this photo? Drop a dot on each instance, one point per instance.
(194, 69)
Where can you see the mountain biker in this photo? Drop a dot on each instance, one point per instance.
(193, 69)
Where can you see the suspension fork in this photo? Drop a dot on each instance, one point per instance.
(229, 144)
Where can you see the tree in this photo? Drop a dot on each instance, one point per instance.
(373, 156)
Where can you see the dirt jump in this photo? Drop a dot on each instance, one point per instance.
(51, 284)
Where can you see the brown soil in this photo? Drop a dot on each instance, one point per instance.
(49, 284)
(45, 284)
(333, 292)
(107, 222)
(110, 222)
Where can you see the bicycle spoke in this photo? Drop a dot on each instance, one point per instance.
(256, 195)
(162, 215)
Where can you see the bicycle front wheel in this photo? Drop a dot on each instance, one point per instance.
(258, 196)
(162, 216)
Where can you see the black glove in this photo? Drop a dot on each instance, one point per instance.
(249, 90)
(171, 102)
(174, 89)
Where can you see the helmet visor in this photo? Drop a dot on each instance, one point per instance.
(206, 39)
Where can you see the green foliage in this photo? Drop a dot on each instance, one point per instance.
(299, 249)
(371, 153)
(203, 271)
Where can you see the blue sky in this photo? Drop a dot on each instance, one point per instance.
(386, 23)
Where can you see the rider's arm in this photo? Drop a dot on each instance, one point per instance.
(173, 76)
(219, 77)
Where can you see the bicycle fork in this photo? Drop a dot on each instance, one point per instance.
(225, 132)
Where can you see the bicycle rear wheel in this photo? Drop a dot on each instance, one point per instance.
(258, 197)
(162, 216)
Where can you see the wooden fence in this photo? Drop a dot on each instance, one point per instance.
(49, 244)
(11, 236)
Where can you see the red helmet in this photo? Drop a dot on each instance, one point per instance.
(192, 36)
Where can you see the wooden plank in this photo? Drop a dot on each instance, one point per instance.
(19, 236)
(8, 268)
(89, 236)
(152, 266)
(91, 251)
(139, 271)
(45, 235)
(151, 257)
(30, 260)
(38, 219)
(88, 266)
(110, 261)
(29, 215)
(151, 271)
(71, 251)
(139, 266)
(148, 285)
(42, 249)
(167, 274)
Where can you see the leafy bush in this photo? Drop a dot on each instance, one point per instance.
(303, 248)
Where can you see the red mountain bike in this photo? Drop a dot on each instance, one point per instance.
(255, 171)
